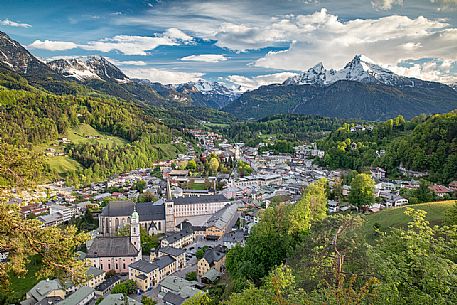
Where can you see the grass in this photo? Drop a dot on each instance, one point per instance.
(198, 187)
(395, 217)
(20, 286)
(79, 135)
(62, 164)
(167, 151)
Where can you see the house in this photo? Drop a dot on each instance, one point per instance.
(233, 238)
(178, 254)
(82, 296)
(108, 284)
(396, 201)
(440, 190)
(453, 185)
(179, 239)
(95, 276)
(178, 287)
(143, 273)
(211, 276)
(67, 213)
(378, 173)
(346, 189)
(213, 258)
(45, 289)
(333, 206)
(118, 299)
(222, 220)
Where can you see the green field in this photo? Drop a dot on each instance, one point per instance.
(198, 186)
(63, 164)
(81, 133)
(23, 284)
(395, 217)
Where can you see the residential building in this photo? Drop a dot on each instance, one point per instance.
(213, 258)
(108, 284)
(95, 276)
(179, 239)
(220, 222)
(177, 289)
(233, 238)
(118, 299)
(440, 190)
(45, 289)
(82, 296)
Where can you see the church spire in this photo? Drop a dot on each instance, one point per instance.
(135, 229)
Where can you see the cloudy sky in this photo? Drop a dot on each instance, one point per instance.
(249, 43)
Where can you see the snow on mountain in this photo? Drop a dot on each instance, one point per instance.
(360, 69)
(87, 68)
(205, 87)
(15, 56)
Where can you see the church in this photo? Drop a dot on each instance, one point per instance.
(117, 252)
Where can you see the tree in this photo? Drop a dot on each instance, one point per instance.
(362, 190)
(54, 246)
(416, 264)
(126, 287)
(139, 185)
(450, 216)
(191, 276)
(311, 207)
(147, 300)
(200, 252)
(198, 299)
(213, 165)
(192, 165)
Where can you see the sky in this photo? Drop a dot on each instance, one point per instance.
(244, 43)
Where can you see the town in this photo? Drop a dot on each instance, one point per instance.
(190, 217)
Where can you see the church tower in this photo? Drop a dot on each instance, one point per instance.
(135, 229)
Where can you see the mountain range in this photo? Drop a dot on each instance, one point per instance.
(361, 90)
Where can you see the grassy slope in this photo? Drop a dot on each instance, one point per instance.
(79, 134)
(63, 164)
(395, 217)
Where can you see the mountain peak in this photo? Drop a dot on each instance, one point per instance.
(88, 67)
(359, 69)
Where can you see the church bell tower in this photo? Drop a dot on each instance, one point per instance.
(135, 229)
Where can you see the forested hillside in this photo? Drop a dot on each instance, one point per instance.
(289, 127)
(30, 119)
(426, 144)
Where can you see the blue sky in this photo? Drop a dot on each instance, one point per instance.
(248, 43)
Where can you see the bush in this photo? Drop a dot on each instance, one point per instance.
(191, 276)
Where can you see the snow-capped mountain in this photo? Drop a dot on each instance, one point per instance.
(359, 69)
(206, 87)
(87, 68)
(210, 94)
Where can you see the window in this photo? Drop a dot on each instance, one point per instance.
(123, 265)
(109, 266)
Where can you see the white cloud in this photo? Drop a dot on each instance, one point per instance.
(385, 4)
(387, 40)
(126, 62)
(15, 24)
(162, 76)
(250, 83)
(125, 44)
(432, 70)
(205, 58)
(51, 45)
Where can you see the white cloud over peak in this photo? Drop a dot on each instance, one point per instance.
(385, 4)
(162, 76)
(8, 22)
(250, 83)
(125, 44)
(51, 45)
(432, 70)
(387, 40)
(212, 58)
